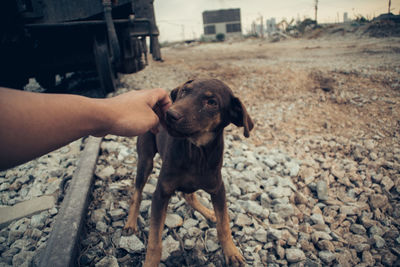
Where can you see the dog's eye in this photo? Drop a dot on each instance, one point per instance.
(212, 102)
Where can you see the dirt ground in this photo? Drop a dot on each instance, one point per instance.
(343, 87)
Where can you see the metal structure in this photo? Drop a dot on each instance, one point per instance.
(43, 38)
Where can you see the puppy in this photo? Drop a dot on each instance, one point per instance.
(191, 149)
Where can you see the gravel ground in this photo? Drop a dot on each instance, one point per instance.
(316, 184)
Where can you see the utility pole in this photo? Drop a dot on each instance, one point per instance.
(262, 27)
(316, 10)
(390, 3)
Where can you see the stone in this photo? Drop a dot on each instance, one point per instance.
(38, 221)
(280, 192)
(317, 218)
(242, 220)
(101, 227)
(107, 261)
(260, 235)
(271, 163)
(189, 223)
(105, 173)
(379, 241)
(326, 256)
(211, 245)
(322, 190)
(117, 214)
(275, 218)
(378, 201)
(293, 168)
(294, 255)
(387, 183)
(358, 229)
(388, 259)
(132, 244)
(367, 258)
(274, 234)
(253, 208)
(98, 215)
(189, 244)
(173, 220)
(284, 210)
(169, 246)
(23, 258)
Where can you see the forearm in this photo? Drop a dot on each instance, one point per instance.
(34, 124)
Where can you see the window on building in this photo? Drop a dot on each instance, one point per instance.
(210, 29)
(234, 27)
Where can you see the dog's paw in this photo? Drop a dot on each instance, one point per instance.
(236, 260)
(129, 230)
(233, 257)
(211, 216)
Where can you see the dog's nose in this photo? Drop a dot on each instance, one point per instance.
(173, 116)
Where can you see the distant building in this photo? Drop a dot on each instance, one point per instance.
(225, 21)
(271, 25)
(345, 17)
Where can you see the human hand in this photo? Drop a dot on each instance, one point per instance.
(136, 112)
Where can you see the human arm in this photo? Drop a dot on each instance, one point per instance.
(33, 124)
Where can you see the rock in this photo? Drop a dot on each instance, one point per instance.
(211, 245)
(274, 234)
(132, 244)
(243, 220)
(280, 192)
(169, 246)
(117, 214)
(293, 168)
(300, 198)
(23, 259)
(387, 183)
(107, 261)
(358, 229)
(173, 220)
(375, 230)
(326, 256)
(378, 201)
(284, 210)
(322, 190)
(294, 255)
(367, 258)
(38, 220)
(388, 259)
(189, 223)
(271, 163)
(101, 227)
(275, 218)
(235, 190)
(307, 174)
(253, 208)
(260, 235)
(189, 244)
(98, 215)
(379, 241)
(317, 218)
(105, 173)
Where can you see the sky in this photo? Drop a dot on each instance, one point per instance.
(182, 19)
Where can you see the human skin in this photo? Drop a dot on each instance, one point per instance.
(33, 124)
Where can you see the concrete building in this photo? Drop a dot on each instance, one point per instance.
(225, 21)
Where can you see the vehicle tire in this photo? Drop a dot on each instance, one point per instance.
(104, 66)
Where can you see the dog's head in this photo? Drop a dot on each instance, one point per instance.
(203, 108)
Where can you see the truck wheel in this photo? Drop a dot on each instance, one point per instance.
(104, 66)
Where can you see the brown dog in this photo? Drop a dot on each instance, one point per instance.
(192, 151)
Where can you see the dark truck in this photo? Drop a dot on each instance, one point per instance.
(45, 38)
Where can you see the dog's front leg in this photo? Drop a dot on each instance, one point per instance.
(232, 255)
(158, 213)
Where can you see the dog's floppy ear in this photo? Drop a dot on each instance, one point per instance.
(240, 117)
(174, 92)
